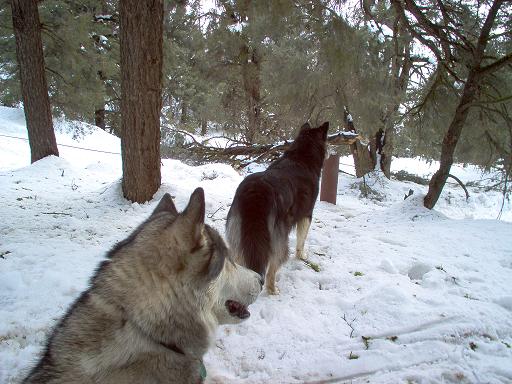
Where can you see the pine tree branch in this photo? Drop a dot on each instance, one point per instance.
(491, 68)
(486, 30)
(460, 183)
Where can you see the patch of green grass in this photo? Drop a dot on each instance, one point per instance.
(315, 267)
(357, 273)
(392, 338)
(473, 346)
(353, 356)
(25, 198)
(366, 341)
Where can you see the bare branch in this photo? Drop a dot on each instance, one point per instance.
(460, 183)
(253, 153)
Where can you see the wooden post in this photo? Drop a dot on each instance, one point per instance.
(329, 183)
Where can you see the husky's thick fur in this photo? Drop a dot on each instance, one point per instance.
(267, 205)
(152, 307)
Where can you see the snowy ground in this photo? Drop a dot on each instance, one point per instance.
(429, 291)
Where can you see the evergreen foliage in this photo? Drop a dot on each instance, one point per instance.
(256, 70)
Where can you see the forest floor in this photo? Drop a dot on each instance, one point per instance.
(402, 294)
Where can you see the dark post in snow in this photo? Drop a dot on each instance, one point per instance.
(329, 183)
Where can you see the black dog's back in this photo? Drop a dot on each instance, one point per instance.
(248, 221)
(268, 204)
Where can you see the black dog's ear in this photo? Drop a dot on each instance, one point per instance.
(165, 205)
(305, 126)
(324, 128)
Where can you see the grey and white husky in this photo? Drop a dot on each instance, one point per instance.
(153, 305)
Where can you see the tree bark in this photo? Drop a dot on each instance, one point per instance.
(36, 103)
(141, 30)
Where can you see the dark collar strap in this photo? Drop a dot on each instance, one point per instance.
(173, 347)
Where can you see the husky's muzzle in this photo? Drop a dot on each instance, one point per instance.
(241, 289)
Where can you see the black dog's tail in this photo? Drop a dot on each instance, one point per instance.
(248, 228)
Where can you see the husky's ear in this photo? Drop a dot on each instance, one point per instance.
(166, 205)
(305, 126)
(195, 210)
(191, 221)
(324, 128)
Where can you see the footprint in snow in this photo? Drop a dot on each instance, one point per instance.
(418, 270)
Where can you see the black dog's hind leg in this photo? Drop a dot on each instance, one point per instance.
(278, 257)
(302, 233)
(271, 278)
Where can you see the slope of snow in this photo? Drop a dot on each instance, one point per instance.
(428, 290)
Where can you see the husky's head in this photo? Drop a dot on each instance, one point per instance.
(197, 260)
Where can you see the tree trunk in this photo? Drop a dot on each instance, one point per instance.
(374, 149)
(184, 113)
(362, 156)
(450, 140)
(168, 7)
(99, 118)
(252, 87)
(204, 127)
(141, 29)
(386, 153)
(362, 159)
(36, 103)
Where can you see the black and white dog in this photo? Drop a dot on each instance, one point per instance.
(267, 205)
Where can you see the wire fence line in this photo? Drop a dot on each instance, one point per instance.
(118, 153)
(97, 150)
(66, 145)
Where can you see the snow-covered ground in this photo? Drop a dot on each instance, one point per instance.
(403, 295)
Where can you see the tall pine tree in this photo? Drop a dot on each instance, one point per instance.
(29, 51)
(141, 96)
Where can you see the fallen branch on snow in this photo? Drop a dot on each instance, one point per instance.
(241, 156)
